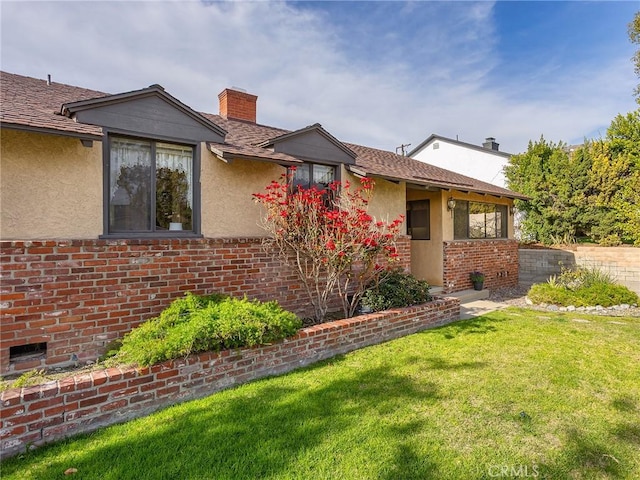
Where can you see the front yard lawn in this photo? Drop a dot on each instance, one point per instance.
(511, 394)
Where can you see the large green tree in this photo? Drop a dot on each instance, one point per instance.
(592, 192)
(556, 183)
(618, 177)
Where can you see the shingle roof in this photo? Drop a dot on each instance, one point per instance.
(29, 103)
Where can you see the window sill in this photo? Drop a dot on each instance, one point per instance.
(480, 239)
(150, 236)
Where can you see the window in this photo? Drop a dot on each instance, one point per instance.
(418, 219)
(314, 174)
(150, 187)
(479, 220)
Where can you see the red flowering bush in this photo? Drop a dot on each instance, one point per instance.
(328, 235)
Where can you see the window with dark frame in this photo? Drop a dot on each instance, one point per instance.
(419, 219)
(150, 187)
(314, 174)
(474, 220)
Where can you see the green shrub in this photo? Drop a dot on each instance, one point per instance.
(396, 289)
(206, 323)
(32, 377)
(582, 287)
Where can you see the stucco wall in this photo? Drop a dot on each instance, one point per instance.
(388, 200)
(426, 255)
(228, 208)
(50, 187)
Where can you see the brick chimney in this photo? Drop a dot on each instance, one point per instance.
(238, 105)
(490, 144)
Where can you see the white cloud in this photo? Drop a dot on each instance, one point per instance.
(405, 71)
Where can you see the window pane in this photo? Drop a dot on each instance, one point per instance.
(130, 185)
(418, 219)
(301, 177)
(501, 221)
(322, 176)
(460, 220)
(481, 220)
(174, 187)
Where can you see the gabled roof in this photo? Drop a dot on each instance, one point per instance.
(311, 129)
(71, 109)
(31, 104)
(433, 137)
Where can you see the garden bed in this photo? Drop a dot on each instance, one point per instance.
(39, 414)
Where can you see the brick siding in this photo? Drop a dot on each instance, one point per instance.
(39, 414)
(497, 259)
(79, 295)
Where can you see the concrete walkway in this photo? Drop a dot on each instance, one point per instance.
(475, 303)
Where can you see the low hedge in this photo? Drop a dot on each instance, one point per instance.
(605, 295)
(582, 287)
(195, 324)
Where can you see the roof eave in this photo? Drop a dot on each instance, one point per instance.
(51, 131)
(460, 143)
(441, 185)
(229, 157)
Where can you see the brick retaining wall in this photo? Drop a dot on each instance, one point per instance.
(76, 296)
(497, 259)
(54, 410)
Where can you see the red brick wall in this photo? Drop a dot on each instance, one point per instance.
(497, 259)
(43, 413)
(78, 295)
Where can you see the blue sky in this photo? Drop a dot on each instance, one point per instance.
(375, 73)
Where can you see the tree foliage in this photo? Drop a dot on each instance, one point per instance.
(593, 191)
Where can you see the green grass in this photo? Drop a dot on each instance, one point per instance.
(515, 391)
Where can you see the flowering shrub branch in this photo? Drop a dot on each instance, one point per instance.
(328, 235)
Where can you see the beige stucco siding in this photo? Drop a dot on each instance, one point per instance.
(228, 209)
(388, 200)
(50, 187)
(426, 255)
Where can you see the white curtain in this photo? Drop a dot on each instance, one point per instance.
(176, 157)
(126, 153)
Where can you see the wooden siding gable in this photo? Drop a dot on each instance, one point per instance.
(312, 143)
(147, 112)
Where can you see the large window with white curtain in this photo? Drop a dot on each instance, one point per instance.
(150, 187)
